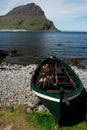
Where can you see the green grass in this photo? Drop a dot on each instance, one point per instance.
(45, 120)
(34, 25)
(20, 119)
(10, 108)
(20, 24)
(80, 126)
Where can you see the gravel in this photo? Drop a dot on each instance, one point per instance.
(15, 84)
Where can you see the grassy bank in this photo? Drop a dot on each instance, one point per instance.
(19, 119)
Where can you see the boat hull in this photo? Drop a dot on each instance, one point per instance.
(55, 102)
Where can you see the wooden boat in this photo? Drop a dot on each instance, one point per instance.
(56, 84)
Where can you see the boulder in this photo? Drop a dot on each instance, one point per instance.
(3, 53)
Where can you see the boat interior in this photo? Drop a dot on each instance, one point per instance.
(53, 75)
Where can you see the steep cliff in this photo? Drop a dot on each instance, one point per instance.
(30, 17)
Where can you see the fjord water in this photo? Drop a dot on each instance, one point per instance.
(34, 46)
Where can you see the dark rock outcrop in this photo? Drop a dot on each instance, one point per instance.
(11, 53)
(30, 17)
(3, 53)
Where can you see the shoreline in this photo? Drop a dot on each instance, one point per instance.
(14, 30)
(15, 84)
(25, 30)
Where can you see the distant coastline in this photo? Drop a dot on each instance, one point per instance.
(13, 30)
(24, 30)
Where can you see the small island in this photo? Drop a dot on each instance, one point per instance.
(28, 17)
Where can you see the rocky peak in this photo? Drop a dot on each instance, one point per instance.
(30, 17)
(29, 9)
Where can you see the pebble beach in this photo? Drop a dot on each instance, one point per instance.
(15, 84)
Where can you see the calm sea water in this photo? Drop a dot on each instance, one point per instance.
(34, 46)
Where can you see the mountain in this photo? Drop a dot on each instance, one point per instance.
(30, 17)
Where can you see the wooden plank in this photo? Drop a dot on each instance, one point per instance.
(66, 83)
(54, 91)
(71, 80)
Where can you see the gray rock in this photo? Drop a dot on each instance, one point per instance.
(29, 110)
(41, 108)
(31, 105)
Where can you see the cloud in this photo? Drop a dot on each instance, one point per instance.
(59, 11)
(66, 10)
(70, 15)
(7, 5)
(53, 8)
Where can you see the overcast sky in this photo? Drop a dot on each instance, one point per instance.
(67, 15)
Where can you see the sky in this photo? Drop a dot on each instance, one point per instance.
(67, 15)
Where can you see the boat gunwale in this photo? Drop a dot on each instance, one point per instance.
(44, 96)
(73, 93)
